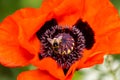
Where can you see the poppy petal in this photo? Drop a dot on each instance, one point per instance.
(103, 46)
(68, 15)
(96, 54)
(64, 15)
(49, 5)
(114, 41)
(101, 15)
(106, 31)
(25, 13)
(46, 64)
(20, 17)
(35, 75)
(27, 33)
(11, 53)
(96, 58)
(18, 39)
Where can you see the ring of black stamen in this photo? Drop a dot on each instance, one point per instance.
(80, 35)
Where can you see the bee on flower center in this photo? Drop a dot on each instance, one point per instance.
(62, 43)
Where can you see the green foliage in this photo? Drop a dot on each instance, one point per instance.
(7, 7)
(116, 57)
(117, 4)
(10, 73)
(78, 75)
(31, 3)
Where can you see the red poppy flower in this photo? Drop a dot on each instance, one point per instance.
(60, 37)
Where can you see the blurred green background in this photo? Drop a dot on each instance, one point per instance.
(110, 70)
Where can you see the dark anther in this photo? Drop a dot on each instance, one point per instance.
(65, 71)
(40, 56)
(46, 26)
(87, 32)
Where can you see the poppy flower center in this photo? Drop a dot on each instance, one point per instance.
(65, 45)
